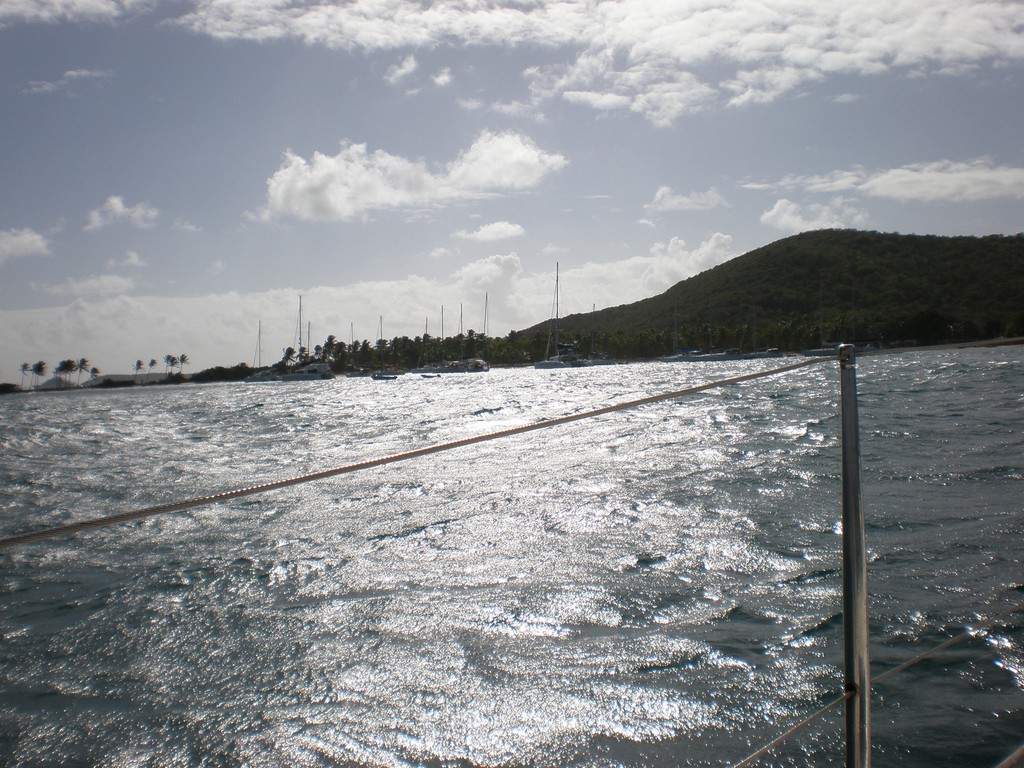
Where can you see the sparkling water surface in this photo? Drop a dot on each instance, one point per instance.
(653, 587)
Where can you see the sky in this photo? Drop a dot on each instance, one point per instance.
(175, 175)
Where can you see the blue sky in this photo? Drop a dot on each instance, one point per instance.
(174, 174)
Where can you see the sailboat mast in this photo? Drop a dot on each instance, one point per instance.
(298, 330)
(711, 327)
(424, 352)
(257, 357)
(675, 330)
(557, 352)
(593, 311)
(753, 327)
(487, 343)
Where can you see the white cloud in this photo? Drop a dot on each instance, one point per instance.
(598, 100)
(15, 243)
(518, 109)
(788, 216)
(655, 87)
(142, 215)
(605, 284)
(672, 262)
(501, 161)
(97, 285)
(443, 78)
(399, 72)
(939, 181)
(490, 273)
(355, 181)
(499, 230)
(666, 200)
(51, 11)
(66, 80)
(836, 181)
(947, 180)
(660, 59)
(131, 259)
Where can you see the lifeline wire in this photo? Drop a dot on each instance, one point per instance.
(178, 506)
(802, 725)
(812, 718)
(966, 633)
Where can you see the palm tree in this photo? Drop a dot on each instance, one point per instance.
(152, 365)
(25, 368)
(64, 368)
(170, 361)
(182, 362)
(136, 368)
(330, 347)
(287, 358)
(93, 373)
(38, 369)
(81, 366)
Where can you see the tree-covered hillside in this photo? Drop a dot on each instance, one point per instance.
(831, 285)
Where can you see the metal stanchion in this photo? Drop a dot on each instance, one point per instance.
(855, 580)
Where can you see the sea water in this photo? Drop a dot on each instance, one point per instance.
(653, 587)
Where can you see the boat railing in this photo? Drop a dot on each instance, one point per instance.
(856, 694)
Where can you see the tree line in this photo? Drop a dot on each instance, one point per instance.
(66, 369)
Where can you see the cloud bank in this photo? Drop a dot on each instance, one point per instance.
(974, 180)
(115, 330)
(659, 58)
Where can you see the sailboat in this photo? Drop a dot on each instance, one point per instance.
(424, 369)
(311, 371)
(467, 364)
(259, 373)
(431, 369)
(382, 373)
(597, 358)
(462, 365)
(564, 357)
(713, 355)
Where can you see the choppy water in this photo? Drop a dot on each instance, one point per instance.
(653, 587)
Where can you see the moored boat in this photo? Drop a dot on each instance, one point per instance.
(309, 372)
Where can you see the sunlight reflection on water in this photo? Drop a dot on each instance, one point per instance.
(653, 587)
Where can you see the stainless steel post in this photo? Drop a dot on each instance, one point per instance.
(855, 575)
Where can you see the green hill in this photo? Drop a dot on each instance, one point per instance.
(829, 285)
